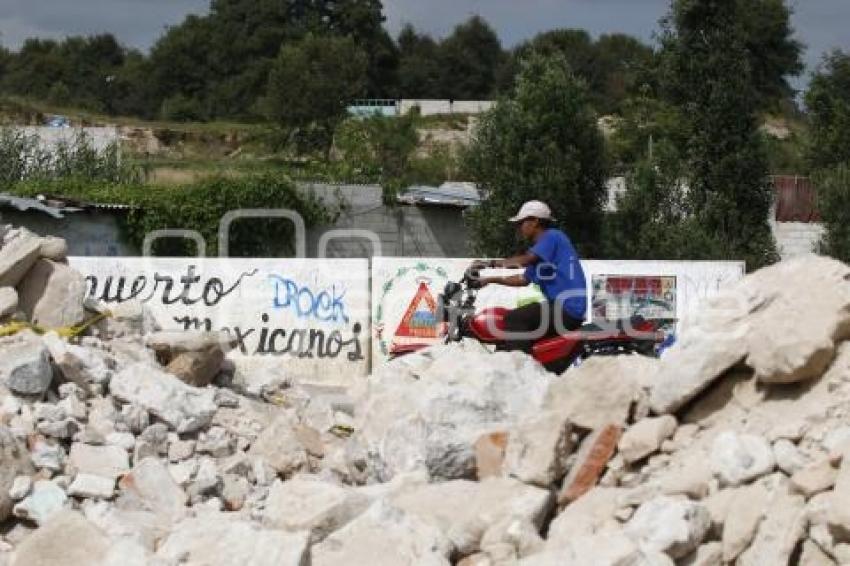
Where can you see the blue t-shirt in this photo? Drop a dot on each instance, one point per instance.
(558, 273)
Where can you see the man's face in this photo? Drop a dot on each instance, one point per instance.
(527, 228)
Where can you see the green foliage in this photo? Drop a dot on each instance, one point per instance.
(383, 149)
(200, 207)
(834, 204)
(420, 73)
(772, 51)
(540, 143)
(613, 66)
(652, 220)
(77, 70)
(828, 101)
(646, 121)
(708, 75)
(469, 58)
(310, 85)
(181, 108)
(24, 158)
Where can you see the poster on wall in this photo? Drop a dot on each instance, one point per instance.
(617, 297)
(309, 317)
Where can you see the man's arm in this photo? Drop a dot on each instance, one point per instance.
(507, 280)
(516, 262)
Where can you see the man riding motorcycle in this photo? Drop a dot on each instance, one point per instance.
(553, 264)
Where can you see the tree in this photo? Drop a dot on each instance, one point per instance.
(540, 143)
(709, 77)
(419, 70)
(833, 185)
(311, 84)
(469, 59)
(828, 102)
(613, 66)
(773, 53)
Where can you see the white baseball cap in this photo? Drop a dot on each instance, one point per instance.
(533, 209)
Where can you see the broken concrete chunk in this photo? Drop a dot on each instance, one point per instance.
(90, 486)
(593, 455)
(740, 458)
(783, 526)
(670, 525)
(838, 512)
(225, 541)
(150, 487)
(8, 301)
(52, 294)
(108, 462)
(278, 445)
(14, 463)
(490, 454)
(814, 478)
(180, 406)
(320, 508)
(597, 393)
(46, 500)
(25, 367)
(463, 509)
(538, 449)
(384, 536)
(645, 437)
(67, 539)
(17, 257)
(746, 511)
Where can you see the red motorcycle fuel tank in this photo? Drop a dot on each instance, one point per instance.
(488, 325)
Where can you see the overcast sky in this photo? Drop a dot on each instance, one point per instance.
(820, 24)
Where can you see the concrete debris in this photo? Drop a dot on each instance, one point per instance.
(8, 301)
(132, 446)
(45, 500)
(599, 392)
(645, 437)
(52, 295)
(180, 406)
(740, 458)
(25, 368)
(593, 456)
(384, 536)
(670, 525)
(227, 541)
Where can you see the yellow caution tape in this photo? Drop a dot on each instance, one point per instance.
(342, 430)
(13, 328)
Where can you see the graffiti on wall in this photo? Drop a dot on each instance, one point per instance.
(302, 311)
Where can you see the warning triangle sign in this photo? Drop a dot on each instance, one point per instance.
(419, 325)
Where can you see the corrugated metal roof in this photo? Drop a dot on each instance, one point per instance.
(54, 206)
(24, 204)
(447, 194)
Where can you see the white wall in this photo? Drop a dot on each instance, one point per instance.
(433, 107)
(99, 138)
(396, 282)
(796, 238)
(272, 304)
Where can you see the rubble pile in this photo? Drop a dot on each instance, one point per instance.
(120, 444)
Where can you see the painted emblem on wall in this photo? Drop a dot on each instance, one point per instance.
(419, 325)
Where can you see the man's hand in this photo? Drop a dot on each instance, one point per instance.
(480, 264)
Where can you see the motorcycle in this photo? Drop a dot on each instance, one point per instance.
(459, 319)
